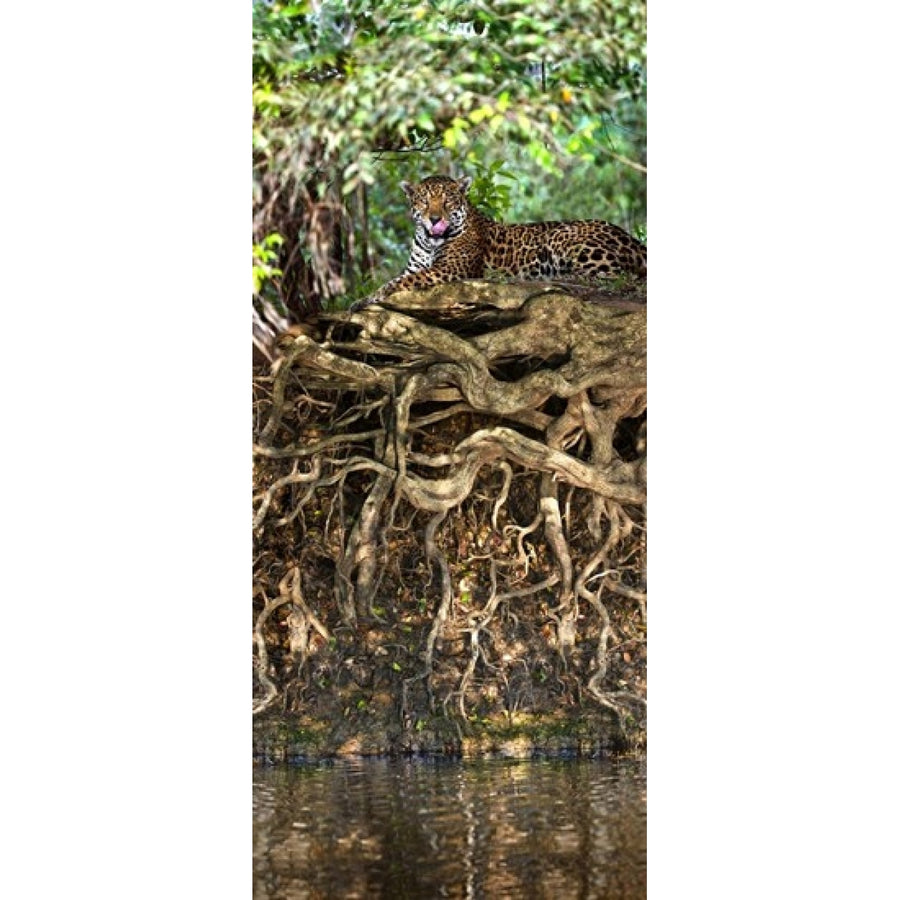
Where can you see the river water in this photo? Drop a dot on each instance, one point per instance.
(425, 829)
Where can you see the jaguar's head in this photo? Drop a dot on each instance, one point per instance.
(438, 204)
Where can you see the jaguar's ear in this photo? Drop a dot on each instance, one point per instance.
(407, 188)
(464, 183)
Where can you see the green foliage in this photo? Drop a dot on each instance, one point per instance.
(352, 97)
(362, 77)
(487, 192)
(264, 258)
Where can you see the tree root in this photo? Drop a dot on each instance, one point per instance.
(463, 418)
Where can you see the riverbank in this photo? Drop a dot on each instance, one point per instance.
(299, 738)
(450, 557)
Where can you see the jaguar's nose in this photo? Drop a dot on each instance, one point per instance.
(434, 219)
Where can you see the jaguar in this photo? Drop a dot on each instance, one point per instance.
(454, 241)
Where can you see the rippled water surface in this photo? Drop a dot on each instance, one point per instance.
(427, 829)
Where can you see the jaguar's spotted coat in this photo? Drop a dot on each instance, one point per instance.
(454, 241)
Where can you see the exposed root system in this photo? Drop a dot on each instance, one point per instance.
(449, 509)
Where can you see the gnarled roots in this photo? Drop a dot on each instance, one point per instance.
(449, 505)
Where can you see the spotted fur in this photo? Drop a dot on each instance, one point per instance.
(454, 241)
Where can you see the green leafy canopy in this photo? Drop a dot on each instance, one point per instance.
(339, 82)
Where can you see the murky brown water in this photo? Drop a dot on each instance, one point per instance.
(411, 829)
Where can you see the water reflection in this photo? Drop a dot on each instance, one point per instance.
(412, 829)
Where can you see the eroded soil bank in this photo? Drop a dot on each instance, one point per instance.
(449, 529)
